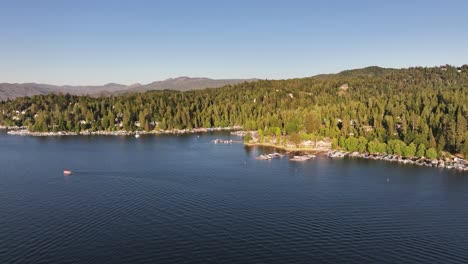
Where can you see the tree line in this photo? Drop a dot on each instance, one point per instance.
(425, 107)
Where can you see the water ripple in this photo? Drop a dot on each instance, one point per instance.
(212, 204)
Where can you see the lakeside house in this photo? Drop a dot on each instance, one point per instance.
(284, 142)
(368, 128)
(344, 87)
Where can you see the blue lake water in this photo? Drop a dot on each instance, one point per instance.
(182, 199)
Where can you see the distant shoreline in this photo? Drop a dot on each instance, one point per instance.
(21, 131)
(11, 127)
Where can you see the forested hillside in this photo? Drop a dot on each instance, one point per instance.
(14, 90)
(424, 106)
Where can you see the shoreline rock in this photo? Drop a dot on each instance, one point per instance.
(240, 133)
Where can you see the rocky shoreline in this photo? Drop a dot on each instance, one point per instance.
(11, 128)
(240, 133)
(446, 163)
(24, 132)
(455, 163)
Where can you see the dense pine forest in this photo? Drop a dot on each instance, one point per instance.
(420, 107)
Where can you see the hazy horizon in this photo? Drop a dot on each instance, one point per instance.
(195, 77)
(127, 42)
(136, 83)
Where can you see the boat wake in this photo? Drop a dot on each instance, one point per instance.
(129, 174)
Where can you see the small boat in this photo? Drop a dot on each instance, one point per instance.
(67, 172)
(137, 136)
(263, 157)
(299, 158)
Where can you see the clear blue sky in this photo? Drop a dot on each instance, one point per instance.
(101, 41)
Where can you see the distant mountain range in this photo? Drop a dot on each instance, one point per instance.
(13, 90)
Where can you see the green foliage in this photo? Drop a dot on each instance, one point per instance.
(247, 138)
(295, 138)
(431, 153)
(305, 136)
(351, 144)
(261, 136)
(395, 147)
(376, 147)
(421, 150)
(342, 142)
(291, 128)
(312, 122)
(381, 147)
(372, 147)
(465, 149)
(410, 150)
(334, 143)
(362, 144)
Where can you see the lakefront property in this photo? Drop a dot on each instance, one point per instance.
(373, 110)
(394, 151)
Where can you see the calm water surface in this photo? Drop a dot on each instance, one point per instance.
(182, 199)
